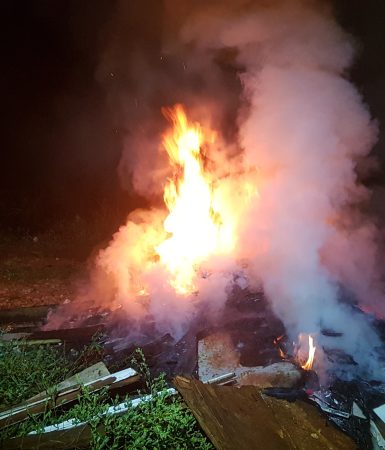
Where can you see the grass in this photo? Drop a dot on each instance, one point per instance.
(162, 423)
(26, 371)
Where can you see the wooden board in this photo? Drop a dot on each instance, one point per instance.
(244, 419)
(67, 394)
(93, 372)
(71, 433)
(78, 437)
(75, 336)
(32, 314)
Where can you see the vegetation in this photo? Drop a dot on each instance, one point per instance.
(163, 422)
(26, 371)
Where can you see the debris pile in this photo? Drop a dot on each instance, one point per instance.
(238, 379)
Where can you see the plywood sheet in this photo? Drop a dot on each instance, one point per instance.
(243, 419)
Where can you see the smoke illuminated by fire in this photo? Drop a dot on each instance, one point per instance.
(195, 223)
(259, 203)
(174, 259)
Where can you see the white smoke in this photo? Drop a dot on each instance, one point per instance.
(306, 130)
(304, 127)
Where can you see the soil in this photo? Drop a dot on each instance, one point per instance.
(36, 272)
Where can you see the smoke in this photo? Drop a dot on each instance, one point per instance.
(272, 78)
(306, 130)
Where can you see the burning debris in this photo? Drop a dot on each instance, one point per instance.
(256, 268)
(247, 350)
(193, 256)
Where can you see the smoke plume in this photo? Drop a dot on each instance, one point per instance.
(272, 78)
(306, 129)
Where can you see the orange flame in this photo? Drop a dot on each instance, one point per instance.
(310, 359)
(278, 339)
(195, 222)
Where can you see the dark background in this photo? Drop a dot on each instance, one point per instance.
(61, 143)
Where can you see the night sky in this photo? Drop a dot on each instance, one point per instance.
(61, 138)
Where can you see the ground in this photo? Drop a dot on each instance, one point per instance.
(41, 270)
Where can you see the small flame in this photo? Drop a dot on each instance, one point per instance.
(310, 359)
(278, 339)
(276, 342)
(142, 292)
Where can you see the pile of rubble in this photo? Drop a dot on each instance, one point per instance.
(234, 377)
(356, 407)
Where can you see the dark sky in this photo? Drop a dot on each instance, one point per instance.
(61, 143)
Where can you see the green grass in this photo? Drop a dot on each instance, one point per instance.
(163, 423)
(26, 371)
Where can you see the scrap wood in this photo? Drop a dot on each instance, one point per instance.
(75, 336)
(4, 337)
(29, 343)
(77, 437)
(376, 430)
(71, 433)
(307, 426)
(66, 395)
(31, 314)
(91, 373)
(227, 378)
(243, 419)
(377, 425)
(23, 411)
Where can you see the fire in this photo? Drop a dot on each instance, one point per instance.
(195, 223)
(310, 359)
(207, 196)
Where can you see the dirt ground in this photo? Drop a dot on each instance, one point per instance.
(35, 272)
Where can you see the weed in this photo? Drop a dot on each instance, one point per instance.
(26, 371)
(161, 423)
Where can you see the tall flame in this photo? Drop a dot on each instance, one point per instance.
(310, 359)
(194, 224)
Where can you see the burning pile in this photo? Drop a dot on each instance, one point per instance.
(161, 258)
(197, 223)
(269, 200)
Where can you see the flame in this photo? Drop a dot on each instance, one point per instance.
(276, 342)
(207, 196)
(195, 223)
(278, 339)
(310, 359)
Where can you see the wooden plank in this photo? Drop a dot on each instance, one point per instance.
(30, 343)
(66, 395)
(243, 419)
(223, 379)
(12, 336)
(119, 409)
(75, 336)
(307, 426)
(77, 437)
(23, 411)
(32, 314)
(71, 433)
(93, 372)
(231, 422)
